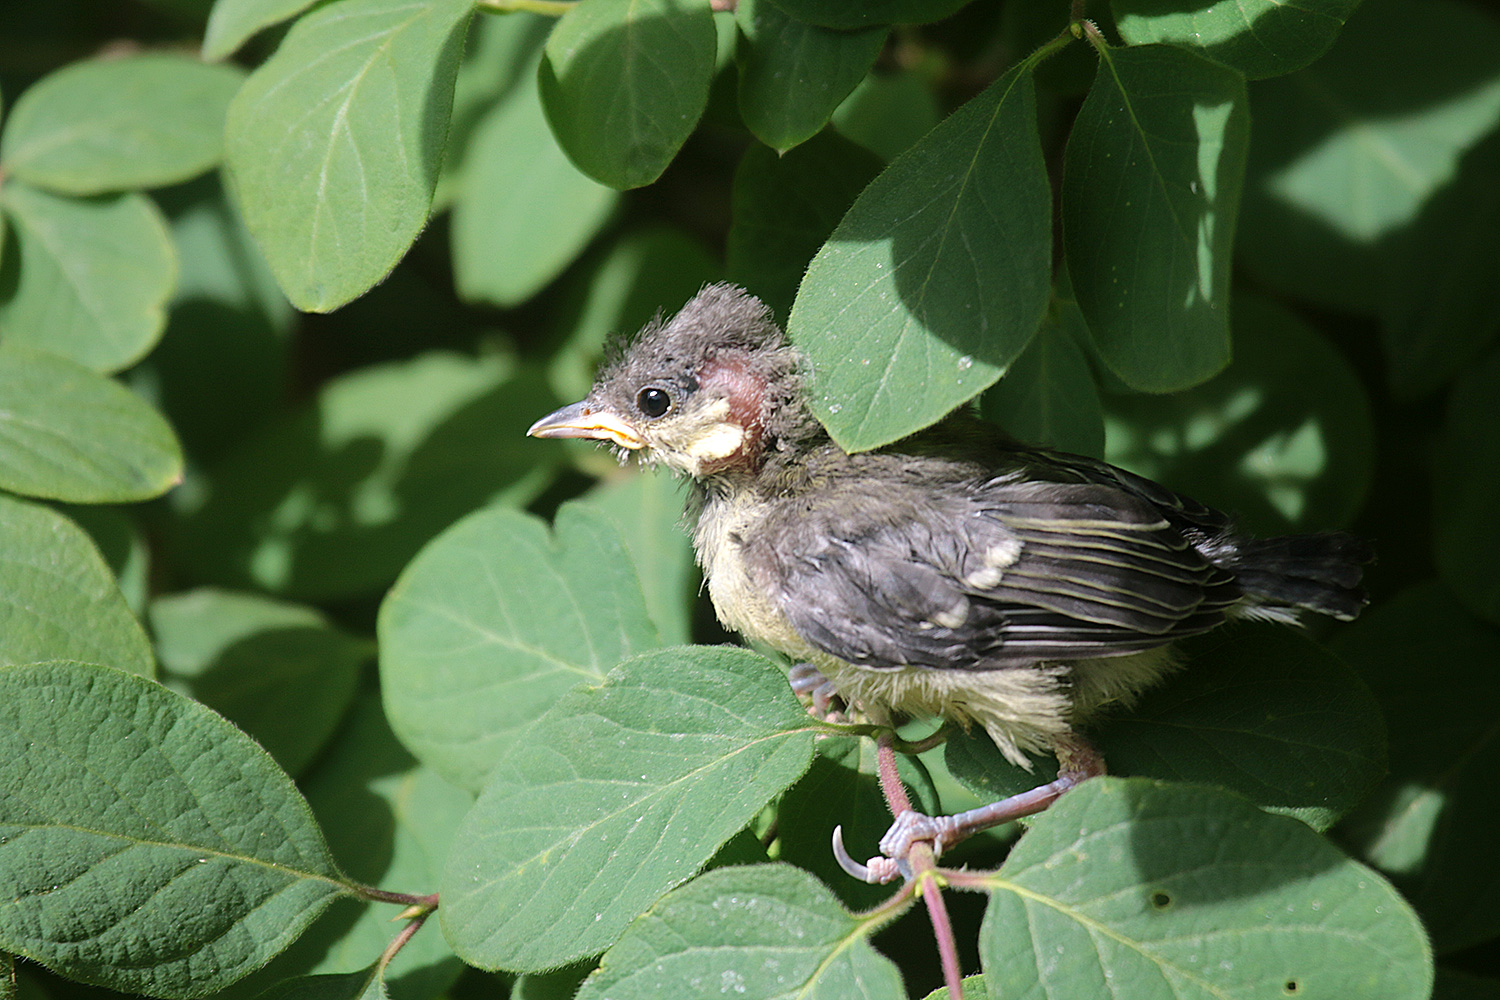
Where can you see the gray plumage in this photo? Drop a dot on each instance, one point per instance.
(955, 572)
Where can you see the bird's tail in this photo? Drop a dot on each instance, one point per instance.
(1281, 576)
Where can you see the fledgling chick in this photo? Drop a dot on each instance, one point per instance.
(955, 573)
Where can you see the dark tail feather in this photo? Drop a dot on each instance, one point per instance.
(1313, 572)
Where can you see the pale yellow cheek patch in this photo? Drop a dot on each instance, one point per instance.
(715, 442)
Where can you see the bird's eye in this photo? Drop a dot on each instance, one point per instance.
(653, 402)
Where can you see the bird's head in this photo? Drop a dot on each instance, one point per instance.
(710, 392)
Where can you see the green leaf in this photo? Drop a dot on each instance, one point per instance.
(1430, 825)
(91, 278)
(847, 16)
(494, 621)
(1467, 476)
(278, 671)
(646, 505)
(1346, 156)
(335, 497)
(786, 206)
(1151, 185)
(105, 125)
(1048, 396)
(231, 23)
(937, 277)
(620, 792)
(60, 601)
(1284, 436)
(765, 931)
(793, 75)
(888, 113)
(625, 83)
(334, 143)
(1257, 37)
(146, 844)
(390, 821)
(366, 984)
(123, 545)
(522, 212)
(1180, 892)
(67, 433)
(1259, 709)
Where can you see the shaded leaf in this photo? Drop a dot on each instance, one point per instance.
(231, 23)
(936, 278)
(1188, 892)
(1257, 37)
(1258, 709)
(625, 84)
(67, 433)
(522, 211)
(1151, 186)
(91, 278)
(839, 14)
(494, 621)
(55, 585)
(785, 207)
(1283, 437)
(366, 984)
(146, 844)
(336, 496)
(793, 75)
(123, 545)
(1048, 396)
(973, 989)
(1344, 157)
(621, 791)
(103, 125)
(1430, 824)
(1467, 478)
(887, 114)
(334, 143)
(647, 508)
(769, 931)
(279, 671)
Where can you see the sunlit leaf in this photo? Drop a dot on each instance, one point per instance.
(1257, 37)
(232, 22)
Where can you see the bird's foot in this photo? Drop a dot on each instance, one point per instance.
(823, 697)
(1079, 763)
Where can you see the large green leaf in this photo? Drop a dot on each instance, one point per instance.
(1257, 37)
(334, 143)
(113, 124)
(67, 433)
(888, 113)
(793, 75)
(646, 505)
(522, 211)
(335, 497)
(1431, 824)
(232, 22)
(1165, 892)
(1467, 480)
(620, 792)
(625, 83)
(786, 206)
(1346, 156)
(91, 277)
(494, 621)
(366, 984)
(1283, 437)
(767, 931)
(1151, 186)
(60, 600)
(936, 279)
(145, 843)
(1258, 709)
(279, 671)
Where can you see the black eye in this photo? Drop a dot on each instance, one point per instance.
(653, 402)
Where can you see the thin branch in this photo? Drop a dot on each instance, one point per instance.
(890, 778)
(371, 894)
(929, 879)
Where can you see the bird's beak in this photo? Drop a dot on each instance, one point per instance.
(582, 421)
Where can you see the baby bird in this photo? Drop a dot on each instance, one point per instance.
(956, 573)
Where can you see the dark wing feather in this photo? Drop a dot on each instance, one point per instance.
(888, 574)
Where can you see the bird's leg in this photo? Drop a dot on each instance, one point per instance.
(1077, 762)
(805, 679)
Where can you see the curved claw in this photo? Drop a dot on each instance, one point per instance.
(878, 872)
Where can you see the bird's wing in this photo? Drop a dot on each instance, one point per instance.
(984, 576)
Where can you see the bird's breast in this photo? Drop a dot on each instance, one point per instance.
(741, 604)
